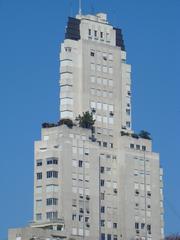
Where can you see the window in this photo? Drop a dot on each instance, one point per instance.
(52, 174)
(136, 225)
(102, 223)
(80, 163)
(102, 183)
(39, 189)
(52, 188)
(104, 144)
(99, 106)
(142, 225)
(92, 66)
(93, 105)
(102, 196)
(144, 148)
(111, 145)
(80, 218)
(102, 209)
(114, 225)
(99, 80)
(131, 145)
(102, 236)
(110, 83)
(105, 81)
(89, 32)
(111, 120)
(66, 101)
(110, 57)
(68, 49)
(128, 112)
(52, 161)
(52, 215)
(39, 176)
(95, 33)
(102, 34)
(74, 217)
(105, 69)
(128, 124)
(109, 237)
(38, 216)
(111, 70)
(115, 237)
(93, 79)
(105, 119)
(92, 53)
(39, 203)
(51, 201)
(138, 147)
(39, 163)
(99, 67)
(102, 170)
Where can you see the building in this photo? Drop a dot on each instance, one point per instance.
(102, 184)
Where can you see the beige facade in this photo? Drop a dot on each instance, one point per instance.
(108, 185)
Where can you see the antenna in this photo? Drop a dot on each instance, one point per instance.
(80, 7)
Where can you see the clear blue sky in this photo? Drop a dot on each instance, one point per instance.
(30, 36)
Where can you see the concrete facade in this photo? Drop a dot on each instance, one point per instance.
(108, 185)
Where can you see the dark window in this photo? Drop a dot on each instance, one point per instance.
(51, 201)
(102, 223)
(52, 174)
(128, 112)
(39, 163)
(144, 148)
(136, 225)
(109, 237)
(102, 196)
(138, 147)
(114, 225)
(86, 219)
(95, 33)
(142, 225)
(149, 227)
(80, 163)
(102, 169)
(131, 145)
(89, 32)
(99, 142)
(92, 54)
(39, 175)
(102, 236)
(52, 161)
(111, 145)
(52, 215)
(102, 209)
(102, 183)
(102, 35)
(115, 237)
(74, 217)
(104, 144)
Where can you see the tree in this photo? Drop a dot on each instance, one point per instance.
(66, 121)
(145, 135)
(86, 120)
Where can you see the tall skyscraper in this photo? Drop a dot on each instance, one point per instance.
(100, 184)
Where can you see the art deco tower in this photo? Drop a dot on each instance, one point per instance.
(106, 185)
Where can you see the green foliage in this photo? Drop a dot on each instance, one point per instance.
(145, 135)
(66, 121)
(86, 120)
